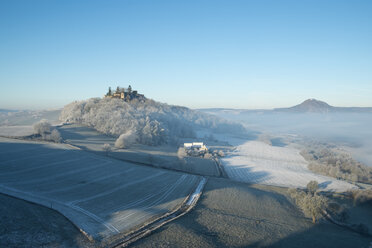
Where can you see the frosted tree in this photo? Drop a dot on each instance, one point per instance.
(125, 140)
(55, 136)
(313, 206)
(181, 153)
(312, 187)
(42, 127)
(310, 203)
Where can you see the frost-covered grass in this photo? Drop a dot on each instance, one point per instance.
(261, 163)
(14, 131)
(102, 196)
(164, 156)
(233, 214)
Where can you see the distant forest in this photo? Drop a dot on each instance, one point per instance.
(335, 163)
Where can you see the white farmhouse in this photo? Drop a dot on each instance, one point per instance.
(195, 145)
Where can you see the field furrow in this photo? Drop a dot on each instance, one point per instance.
(100, 195)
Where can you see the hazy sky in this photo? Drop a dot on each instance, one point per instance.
(240, 54)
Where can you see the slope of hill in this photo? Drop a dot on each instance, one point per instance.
(316, 106)
(308, 106)
(151, 122)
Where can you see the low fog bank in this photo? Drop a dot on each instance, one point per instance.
(351, 130)
(27, 117)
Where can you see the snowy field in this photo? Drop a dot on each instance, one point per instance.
(102, 196)
(260, 163)
(16, 131)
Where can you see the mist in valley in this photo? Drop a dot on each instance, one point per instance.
(352, 131)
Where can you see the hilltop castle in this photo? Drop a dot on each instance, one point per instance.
(125, 94)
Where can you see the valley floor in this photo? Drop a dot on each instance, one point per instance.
(257, 162)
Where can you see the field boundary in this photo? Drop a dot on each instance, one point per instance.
(186, 206)
(344, 225)
(221, 169)
(141, 163)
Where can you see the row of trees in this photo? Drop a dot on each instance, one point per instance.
(145, 122)
(360, 196)
(336, 163)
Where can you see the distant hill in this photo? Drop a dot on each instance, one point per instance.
(316, 106)
(308, 106)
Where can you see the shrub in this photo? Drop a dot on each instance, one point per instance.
(44, 129)
(207, 155)
(361, 196)
(126, 140)
(55, 136)
(181, 153)
(106, 147)
(221, 153)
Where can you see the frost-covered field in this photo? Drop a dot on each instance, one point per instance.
(102, 196)
(14, 131)
(164, 156)
(258, 162)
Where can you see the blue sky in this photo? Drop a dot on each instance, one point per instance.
(234, 54)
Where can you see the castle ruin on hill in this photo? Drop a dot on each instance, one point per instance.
(126, 94)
